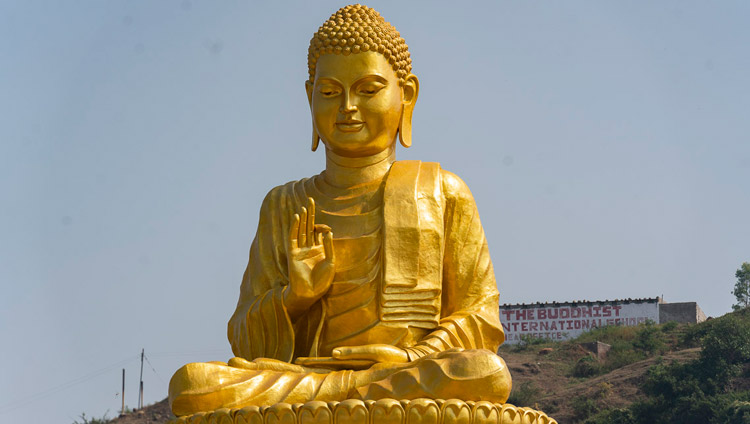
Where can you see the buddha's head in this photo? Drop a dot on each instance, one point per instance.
(361, 89)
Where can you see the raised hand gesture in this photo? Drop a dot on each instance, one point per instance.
(311, 261)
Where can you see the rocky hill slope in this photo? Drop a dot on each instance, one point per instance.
(575, 385)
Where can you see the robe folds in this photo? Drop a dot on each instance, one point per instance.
(413, 270)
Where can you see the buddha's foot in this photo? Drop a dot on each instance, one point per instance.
(383, 411)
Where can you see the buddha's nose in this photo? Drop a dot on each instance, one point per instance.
(348, 109)
(347, 106)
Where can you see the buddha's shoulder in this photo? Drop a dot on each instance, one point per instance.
(288, 191)
(454, 188)
(452, 185)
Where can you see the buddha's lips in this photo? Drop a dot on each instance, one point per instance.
(350, 126)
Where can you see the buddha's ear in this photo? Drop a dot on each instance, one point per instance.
(411, 92)
(315, 138)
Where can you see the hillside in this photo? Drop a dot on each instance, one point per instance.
(652, 374)
(548, 384)
(643, 373)
(158, 413)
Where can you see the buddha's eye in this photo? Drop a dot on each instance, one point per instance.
(329, 91)
(370, 88)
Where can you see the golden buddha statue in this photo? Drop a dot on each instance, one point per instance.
(371, 280)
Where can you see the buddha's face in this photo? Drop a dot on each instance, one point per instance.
(356, 103)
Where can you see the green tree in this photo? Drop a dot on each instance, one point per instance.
(742, 287)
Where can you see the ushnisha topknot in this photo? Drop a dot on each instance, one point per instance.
(357, 28)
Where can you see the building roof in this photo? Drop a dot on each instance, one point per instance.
(582, 302)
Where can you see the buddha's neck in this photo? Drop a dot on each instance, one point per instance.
(346, 172)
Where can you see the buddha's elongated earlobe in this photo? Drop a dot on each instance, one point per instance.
(411, 92)
(404, 127)
(315, 139)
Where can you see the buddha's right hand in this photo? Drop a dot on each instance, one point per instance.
(311, 261)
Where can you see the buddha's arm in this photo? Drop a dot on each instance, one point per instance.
(469, 312)
(261, 326)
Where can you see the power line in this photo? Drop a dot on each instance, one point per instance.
(11, 406)
(152, 369)
(188, 353)
(26, 400)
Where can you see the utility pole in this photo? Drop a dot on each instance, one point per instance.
(140, 395)
(122, 394)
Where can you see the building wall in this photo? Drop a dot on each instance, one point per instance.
(562, 321)
(684, 312)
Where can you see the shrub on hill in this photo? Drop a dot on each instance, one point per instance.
(587, 366)
(526, 393)
(701, 391)
(628, 345)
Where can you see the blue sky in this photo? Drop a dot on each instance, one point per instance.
(606, 144)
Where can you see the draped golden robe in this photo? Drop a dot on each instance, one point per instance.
(412, 270)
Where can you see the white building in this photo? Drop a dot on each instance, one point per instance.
(562, 321)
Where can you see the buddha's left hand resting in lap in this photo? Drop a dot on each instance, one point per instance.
(372, 279)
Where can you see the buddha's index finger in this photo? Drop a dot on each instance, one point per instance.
(322, 228)
(310, 221)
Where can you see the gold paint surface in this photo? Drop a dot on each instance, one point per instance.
(369, 282)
